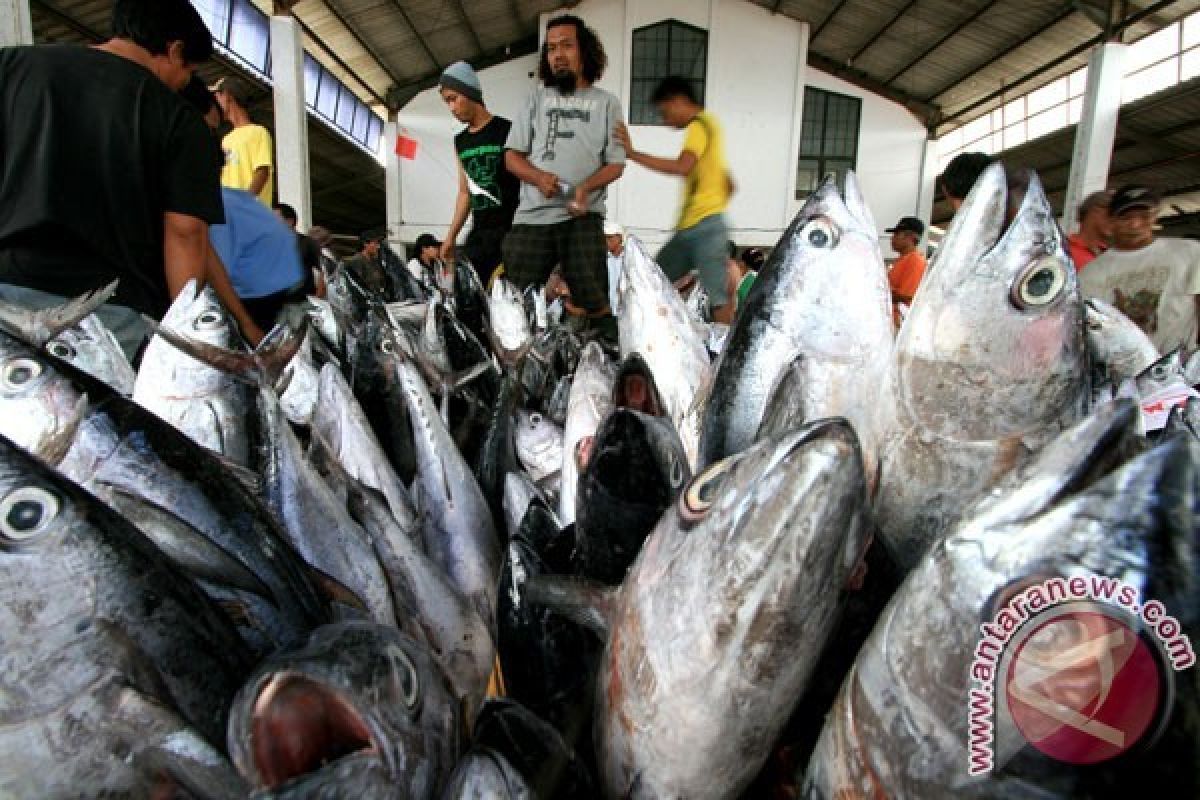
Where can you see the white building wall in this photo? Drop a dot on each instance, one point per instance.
(756, 74)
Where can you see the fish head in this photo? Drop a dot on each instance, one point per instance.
(353, 689)
(43, 407)
(634, 387)
(997, 326)
(92, 348)
(636, 458)
(508, 324)
(198, 314)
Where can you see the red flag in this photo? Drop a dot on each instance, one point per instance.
(406, 147)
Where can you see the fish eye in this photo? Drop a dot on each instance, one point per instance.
(208, 321)
(26, 512)
(61, 350)
(20, 372)
(820, 232)
(1160, 372)
(1040, 284)
(535, 419)
(697, 499)
(387, 346)
(406, 676)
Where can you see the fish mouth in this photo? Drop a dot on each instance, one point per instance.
(299, 725)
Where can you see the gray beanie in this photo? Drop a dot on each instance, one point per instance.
(461, 78)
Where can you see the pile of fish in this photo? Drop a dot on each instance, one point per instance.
(443, 544)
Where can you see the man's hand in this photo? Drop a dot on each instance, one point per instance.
(447, 252)
(547, 184)
(578, 205)
(621, 134)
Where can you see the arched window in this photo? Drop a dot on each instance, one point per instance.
(666, 48)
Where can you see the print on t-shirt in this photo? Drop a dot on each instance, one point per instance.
(1141, 307)
(483, 166)
(558, 110)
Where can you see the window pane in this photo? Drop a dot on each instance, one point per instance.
(1150, 80)
(1050, 95)
(362, 121)
(327, 95)
(1014, 112)
(375, 130)
(1191, 30)
(951, 141)
(215, 14)
(1190, 66)
(977, 129)
(249, 34)
(808, 177)
(345, 111)
(1152, 49)
(666, 48)
(1014, 135)
(1078, 82)
(1047, 121)
(1075, 110)
(312, 76)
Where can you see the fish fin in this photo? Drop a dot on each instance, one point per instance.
(262, 367)
(584, 602)
(39, 327)
(461, 379)
(54, 449)
(184, 545)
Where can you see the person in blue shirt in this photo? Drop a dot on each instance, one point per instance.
(259, 252)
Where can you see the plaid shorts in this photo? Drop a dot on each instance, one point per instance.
(532, 251)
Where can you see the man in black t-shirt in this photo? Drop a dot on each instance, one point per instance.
(100, 176)
(486, 188)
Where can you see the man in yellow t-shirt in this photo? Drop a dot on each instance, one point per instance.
(701, 237)
(249, 152)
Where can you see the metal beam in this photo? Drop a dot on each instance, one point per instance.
(828, 19)
(928, 113)
(400, 96)
(1024, 40)
(462, 12)
(957, 29)
(1128, 22)
(887, 26)
(68, 21)
(420, 37)
(775, 8)
(358, 37)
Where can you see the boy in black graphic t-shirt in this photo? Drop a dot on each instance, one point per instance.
(486, 189)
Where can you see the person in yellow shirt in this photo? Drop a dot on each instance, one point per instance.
(249, 151)
(701, 235)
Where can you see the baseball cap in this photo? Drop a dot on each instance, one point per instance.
(427, 240)
(613, 228)
(909, 224)
(372, 235)
(1128, 198)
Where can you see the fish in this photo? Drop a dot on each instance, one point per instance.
(1163, 373)
(508, 326)
(714, 634)
(589, 403)
(340, 423)
(1084, 507)
(358, 776)
(698, 304)
(498, 451)
(327, 322)
(486, 775)
(534, 301)
(75, 334)
(534, 748)
(636, 469)
(539, 446)
(299, 396)
(821, 306)
(470, 298)
(1116, 342)
(989, 365)
(455, 632)
(316, 522)
(557, 405)
(656, 325)
(785, 408)
(108, 649)
(457, 526)
(519, 492)
(190, 503)
(374, 377)
(634, 387)
(354, 690)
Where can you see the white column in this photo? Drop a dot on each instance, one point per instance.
(1096, 130)
(16, 27)
(927, 191)
(291, 118)
(394, 188)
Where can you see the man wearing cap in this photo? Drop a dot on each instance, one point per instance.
(1154, 282)
(487, 191)
(905, 275)
(423, 266)
(367, 265)
(103, 176)
(1095, 230)
(249, 153)
(614, 244)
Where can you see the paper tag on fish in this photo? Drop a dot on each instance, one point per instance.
(1156, 408)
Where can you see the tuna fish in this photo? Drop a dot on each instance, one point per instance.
(590, 402)
(508, 326)
(1116, 342)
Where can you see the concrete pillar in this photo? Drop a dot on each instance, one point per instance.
(291, 118)
(16, 27)
(1096, 130)
(927, 191)
(393, 196)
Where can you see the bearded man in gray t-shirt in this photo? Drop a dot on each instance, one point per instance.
(563, 149)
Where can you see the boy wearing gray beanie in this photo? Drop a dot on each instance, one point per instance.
(486, 189)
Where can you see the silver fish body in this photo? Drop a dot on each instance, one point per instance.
(92, 348)
(655, 323)
(989, 365)
(589, 403)
(539, 445)
(1116, 341)
(486, 775)
(508, 326)
(757, 550)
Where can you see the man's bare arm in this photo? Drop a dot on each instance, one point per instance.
(259, 181)
(185, 251)
(682, 165)
(597, 180)
(462, 207)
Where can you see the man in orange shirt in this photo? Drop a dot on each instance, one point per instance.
(1095, 230)
(905, 275)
